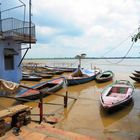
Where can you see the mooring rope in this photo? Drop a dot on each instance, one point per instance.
(123, 56)
(119, 45)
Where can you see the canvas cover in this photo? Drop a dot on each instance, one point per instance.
(81, 72)
(8, 85)
(77, 73)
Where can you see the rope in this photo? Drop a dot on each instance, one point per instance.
(119, 45)
(124, 55)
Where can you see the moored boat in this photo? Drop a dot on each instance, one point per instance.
(137, 79)
(116, 94)
(104, 76)
(29, 77)
(45, 87)
(45, 72)
(136, 74)
(64, 69)
(137, 71)
(81, 76)
(43, 75)
(58, 72)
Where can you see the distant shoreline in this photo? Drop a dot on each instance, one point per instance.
(83, 58)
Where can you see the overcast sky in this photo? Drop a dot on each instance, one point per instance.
(65, 28)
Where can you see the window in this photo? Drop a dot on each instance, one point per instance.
(9, 62)
(9, 58)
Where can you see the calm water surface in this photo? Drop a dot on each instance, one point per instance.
(85, 115)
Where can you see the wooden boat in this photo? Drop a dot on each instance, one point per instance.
(81, 76)
(29, 77)
(137, 71)
(26, 73)
(54, 70)
(58, 72)
(64, 69)
(105, 76)
(136, 74)
(68, 69)
(45, 87)
(137, 79)
(116, 94)
(43, 75)
(44, 71)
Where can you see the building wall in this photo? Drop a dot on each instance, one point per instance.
(10, 75)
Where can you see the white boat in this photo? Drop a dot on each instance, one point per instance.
(116, 94)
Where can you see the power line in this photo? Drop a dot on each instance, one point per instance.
(124, 55)
(119, 45)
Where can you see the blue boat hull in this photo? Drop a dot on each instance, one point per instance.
(80, 80)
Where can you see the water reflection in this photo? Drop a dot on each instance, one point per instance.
(101, 86)
(137, 85)
(67, 111)
(5, 103)
(108, 118)
(79, 88)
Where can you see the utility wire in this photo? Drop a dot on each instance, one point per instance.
(124, 55)
(119, 45)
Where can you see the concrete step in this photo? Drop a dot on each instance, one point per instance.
(44, 131)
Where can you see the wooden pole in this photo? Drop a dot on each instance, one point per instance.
(66, 100)
(41, 107)
(41, 100)
(79, 63)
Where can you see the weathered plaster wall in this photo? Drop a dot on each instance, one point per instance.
(11, 75)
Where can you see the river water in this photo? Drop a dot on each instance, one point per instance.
(85, 115)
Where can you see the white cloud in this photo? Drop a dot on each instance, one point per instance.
(43, 30)
(103, 24)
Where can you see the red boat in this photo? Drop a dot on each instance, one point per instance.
(45, 87)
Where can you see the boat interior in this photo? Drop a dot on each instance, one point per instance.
(117, 90)
(46, 86)
(105, 75)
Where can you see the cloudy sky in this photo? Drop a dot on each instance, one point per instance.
(65, 28)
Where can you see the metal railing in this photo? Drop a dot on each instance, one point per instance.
(14, 27)
(20, 32)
